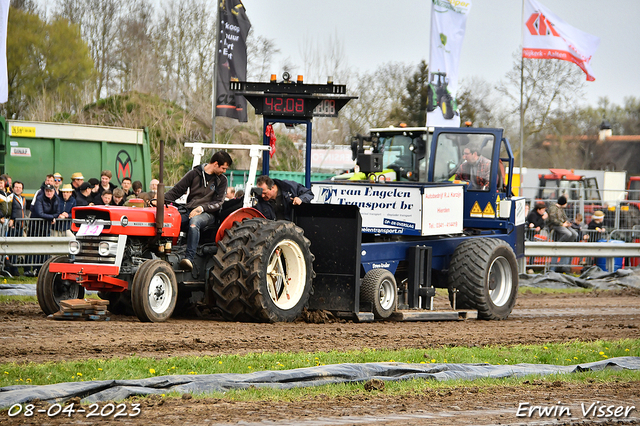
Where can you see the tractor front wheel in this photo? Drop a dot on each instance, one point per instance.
(431, 102)
(51, 288)
(483, 275)
(380, 289)
(154, 291)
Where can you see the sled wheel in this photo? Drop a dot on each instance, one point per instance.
(51, 288)
(263, 271)
(447, 108)
(379, 287)
(485, 273)
(431, 104)
(154, 291)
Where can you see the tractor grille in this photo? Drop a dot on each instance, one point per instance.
(93, 216)
(89, 250)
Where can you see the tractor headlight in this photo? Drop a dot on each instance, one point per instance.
(74, 247)
(103, 248)
(106, 248)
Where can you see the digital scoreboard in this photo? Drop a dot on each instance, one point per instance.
(287, 99)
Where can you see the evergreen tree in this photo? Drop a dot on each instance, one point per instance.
(414, 104)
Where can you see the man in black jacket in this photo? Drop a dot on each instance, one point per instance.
(279, 197)
(207, 187)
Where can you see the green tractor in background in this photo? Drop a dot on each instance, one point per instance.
(389, 154)
(438, 95)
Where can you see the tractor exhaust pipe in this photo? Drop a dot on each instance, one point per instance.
(160, 194)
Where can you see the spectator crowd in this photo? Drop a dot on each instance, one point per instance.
(52, 203)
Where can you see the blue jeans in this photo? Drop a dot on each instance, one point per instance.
(196, 223)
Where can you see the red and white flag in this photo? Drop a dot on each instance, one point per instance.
(546, 36)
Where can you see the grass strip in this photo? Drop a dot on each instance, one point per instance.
(135, 367)
(440, 292)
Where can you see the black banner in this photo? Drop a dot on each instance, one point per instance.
(231, 60)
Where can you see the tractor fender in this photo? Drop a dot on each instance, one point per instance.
(237, 216)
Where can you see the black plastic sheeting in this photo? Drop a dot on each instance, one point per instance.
(115, 390)
(593, 277)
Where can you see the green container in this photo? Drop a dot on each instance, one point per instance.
(237, 178)
(30, 150)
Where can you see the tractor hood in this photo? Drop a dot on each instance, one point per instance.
(133, 221)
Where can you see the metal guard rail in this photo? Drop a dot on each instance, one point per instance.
(34, 245)
(60, 245)
(582, 249)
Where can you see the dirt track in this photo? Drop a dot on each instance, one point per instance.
(28, 336)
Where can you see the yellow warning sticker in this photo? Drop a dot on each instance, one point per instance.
(488, 211)
(28, 132)
(498, 206)
(476, 211)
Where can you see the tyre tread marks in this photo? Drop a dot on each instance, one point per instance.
(236, 281)
(467, 272)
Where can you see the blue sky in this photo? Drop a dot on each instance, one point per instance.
(376, 31)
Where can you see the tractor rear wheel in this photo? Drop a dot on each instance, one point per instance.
(263, 271)
(485, 273)
(51, 288)
(447, 108)
(154, 291)
(380, 289)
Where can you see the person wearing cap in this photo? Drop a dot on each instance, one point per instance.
(46, 206)
(48, 180)
(76, 180)
(95, 187)
(559, 222)
(83, 195)
(57, 181)
(596, 226)
(67, 202)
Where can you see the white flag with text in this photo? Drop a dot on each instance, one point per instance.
(4, 78)
(546, 36)
(448, 24)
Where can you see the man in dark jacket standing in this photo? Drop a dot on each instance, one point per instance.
(83, 195)
(207, 187)
(279, 197)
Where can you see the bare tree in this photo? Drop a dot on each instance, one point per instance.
(380, 95)
(134, 53)
(260, 54)
(550, 87)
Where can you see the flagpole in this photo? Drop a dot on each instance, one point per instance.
(521, 100)
(215, 78)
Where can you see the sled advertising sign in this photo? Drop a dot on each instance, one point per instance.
(387, 209)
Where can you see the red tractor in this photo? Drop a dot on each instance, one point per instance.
(131, 256)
